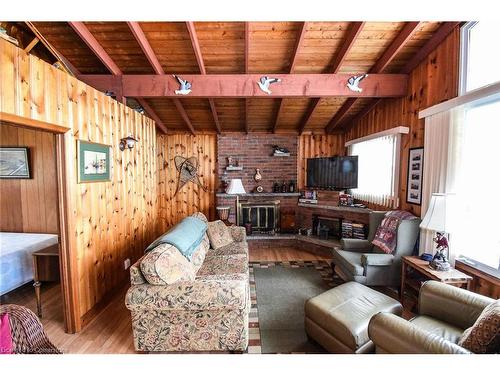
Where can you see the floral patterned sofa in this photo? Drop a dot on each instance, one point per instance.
(197, 305)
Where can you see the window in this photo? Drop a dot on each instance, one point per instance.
(378, 170)
(480, 58)
(476, 233)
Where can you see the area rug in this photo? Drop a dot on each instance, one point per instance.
(280, 290)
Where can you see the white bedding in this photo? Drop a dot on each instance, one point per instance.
(16, 262)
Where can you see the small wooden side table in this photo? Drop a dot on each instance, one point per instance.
(45, 268)
(452, 277)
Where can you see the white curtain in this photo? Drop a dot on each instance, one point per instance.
(441, 158)
(377, 179)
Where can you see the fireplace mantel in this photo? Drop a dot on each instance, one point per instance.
(224, 195)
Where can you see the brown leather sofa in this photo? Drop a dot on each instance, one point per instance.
(445, 312)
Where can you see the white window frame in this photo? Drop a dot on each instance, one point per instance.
(464, 56)
(397, 132)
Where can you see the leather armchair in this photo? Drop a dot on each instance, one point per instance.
(445, 312)
(358, 260)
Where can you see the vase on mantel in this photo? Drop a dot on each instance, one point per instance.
(257, 177)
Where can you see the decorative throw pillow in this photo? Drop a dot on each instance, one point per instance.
(219, 234)
(484, 335)
(165, 265)
(6, 346)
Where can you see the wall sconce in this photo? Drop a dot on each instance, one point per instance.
(128, 142)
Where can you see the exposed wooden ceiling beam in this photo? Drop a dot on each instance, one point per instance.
(389, 54)
(140, 37)
(245, 85)
(196, 46)
(372, 104)
(444, 30)
(99, 51)
(298, 43)
(150, 111)
(247, 66)
(399, 42)
(354, 30)
(201, 64)
(182, 111)
(85, 34)
(439, 36)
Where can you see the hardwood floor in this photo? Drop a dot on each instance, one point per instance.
(111, 331)
(282, 254)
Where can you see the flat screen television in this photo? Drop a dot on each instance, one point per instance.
(333, 173)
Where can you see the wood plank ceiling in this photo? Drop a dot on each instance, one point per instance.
(245, 47)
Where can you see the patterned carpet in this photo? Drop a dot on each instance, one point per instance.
(322, 267)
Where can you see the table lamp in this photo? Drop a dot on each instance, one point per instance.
(235, 187)
(435, 219)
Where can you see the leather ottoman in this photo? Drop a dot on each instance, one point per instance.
(338, 319)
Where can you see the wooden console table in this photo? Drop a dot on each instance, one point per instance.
(452, 277)
(45, 268)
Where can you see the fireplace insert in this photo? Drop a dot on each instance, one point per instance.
(264, 216)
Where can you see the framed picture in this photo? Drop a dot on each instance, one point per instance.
(415, 175)
(14, 162)
(94, 163)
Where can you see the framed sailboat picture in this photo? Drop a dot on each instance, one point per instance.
(14, 162)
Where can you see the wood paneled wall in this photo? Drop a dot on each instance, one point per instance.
(30, 205)
(192, 198)
(433, 81)
(111, 220)
(315, 146)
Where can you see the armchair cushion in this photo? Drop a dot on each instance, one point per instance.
(219, 234)
(437, 327)
(484, 335)
(350, 261)
(352, 244)
(456, 306)
(377, 259)
(392, 334)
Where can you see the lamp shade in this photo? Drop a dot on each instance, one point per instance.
(235, 187)
(437, 213)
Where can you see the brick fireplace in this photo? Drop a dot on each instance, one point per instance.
(256, 151)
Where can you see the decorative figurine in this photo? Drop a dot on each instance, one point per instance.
(230, 161)
(354, 81)
(185, 87)
(439, 262)
(265, 82)
(257, 177)
(280, 150)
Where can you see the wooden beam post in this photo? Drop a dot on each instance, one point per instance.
(245, 85)
(354, 30)
(201, 64)
(390, 53)
(298, 43)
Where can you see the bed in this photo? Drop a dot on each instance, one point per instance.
(16, 262)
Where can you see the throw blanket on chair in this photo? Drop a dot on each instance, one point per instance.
(387, 232)
(185, 236)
